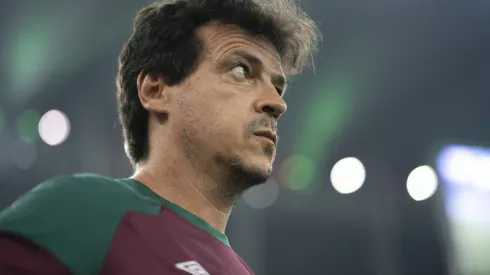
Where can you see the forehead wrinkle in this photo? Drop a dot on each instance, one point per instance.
(242, 49)
(220, 40)
(214, 34)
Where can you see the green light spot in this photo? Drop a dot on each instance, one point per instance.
(31, 55)
(27, 125)
(322, 122)
(299, 172)
(324, 119)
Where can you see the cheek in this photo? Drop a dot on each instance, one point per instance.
(216, 115)
(224, 127)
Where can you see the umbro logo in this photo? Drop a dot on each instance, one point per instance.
(192, 267)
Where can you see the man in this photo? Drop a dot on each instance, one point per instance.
(200, 88)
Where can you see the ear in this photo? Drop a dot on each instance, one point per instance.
(153, 94)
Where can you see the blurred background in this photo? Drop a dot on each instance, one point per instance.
(384, 161)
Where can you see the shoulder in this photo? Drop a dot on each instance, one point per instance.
(63, 197)
(74, 217)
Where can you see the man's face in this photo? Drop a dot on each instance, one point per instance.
(226, 113)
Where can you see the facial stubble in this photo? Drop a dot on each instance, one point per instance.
(235, 176)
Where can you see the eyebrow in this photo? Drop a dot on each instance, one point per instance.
(277, 79)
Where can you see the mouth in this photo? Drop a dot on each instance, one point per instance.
(267, 134)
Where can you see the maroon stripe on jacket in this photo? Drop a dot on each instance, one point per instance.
(18, 256)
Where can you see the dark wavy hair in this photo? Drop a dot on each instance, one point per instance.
(164, 41)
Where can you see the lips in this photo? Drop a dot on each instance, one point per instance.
(267, 134)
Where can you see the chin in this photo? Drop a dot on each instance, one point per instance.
(246, 173)
(261, 172)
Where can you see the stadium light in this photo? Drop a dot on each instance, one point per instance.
(468, 166)
(422, 183)
(348, 175)
(54, 127)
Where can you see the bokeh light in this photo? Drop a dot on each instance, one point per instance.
(27, 125)
(23, 154)
(348, 175)
(262, 196)
(54, 127)
(422, 183)
(465, 166)
(298, 172)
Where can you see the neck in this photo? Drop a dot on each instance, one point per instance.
(177, 181)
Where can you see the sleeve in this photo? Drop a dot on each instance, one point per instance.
(72, 217)
(20, 257)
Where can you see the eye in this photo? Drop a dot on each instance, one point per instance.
(240, 70)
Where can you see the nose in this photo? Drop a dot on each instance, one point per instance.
(271, 103)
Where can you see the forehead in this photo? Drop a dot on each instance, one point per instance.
(221, 40)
